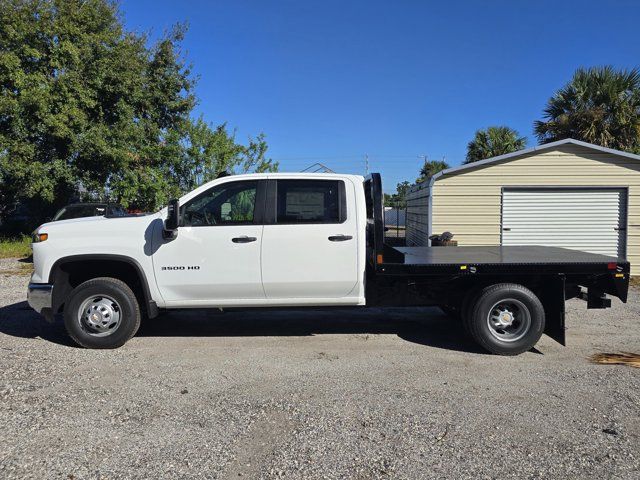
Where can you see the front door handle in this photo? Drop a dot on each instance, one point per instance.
(243, 239)
(339, 238)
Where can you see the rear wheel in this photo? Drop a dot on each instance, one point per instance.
(102, 313)
(506, 319)
(468, 303)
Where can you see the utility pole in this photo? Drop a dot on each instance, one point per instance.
(424, 161)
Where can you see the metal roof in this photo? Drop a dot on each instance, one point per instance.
(545, 146)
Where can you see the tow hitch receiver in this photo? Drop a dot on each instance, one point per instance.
(595, 299)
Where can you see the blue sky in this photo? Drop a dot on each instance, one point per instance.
(330, 81)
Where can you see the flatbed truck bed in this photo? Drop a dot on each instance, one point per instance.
(454, 278)
(501, 255)
(493, 259)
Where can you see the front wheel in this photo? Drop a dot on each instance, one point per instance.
(102, 313)
(506, 319)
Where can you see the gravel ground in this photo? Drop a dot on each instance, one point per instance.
(331, 394)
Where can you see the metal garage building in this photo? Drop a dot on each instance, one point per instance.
(568, 194)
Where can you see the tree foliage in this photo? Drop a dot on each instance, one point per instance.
(430, 168)
(599, 105)
(492, 142)
(86, 106)
(398, 199)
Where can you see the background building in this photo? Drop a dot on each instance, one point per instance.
(568, 194)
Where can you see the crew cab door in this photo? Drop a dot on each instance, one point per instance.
(309, 245)
(215, 257)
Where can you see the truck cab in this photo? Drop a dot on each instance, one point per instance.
(269, 240)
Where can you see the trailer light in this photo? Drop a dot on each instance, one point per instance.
(463, 267)
(39, 237)
(612, 266)
(379, 259)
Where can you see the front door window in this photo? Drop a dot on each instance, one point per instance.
(231, 203)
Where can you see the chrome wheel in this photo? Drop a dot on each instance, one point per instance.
(509, 320)
(99, 315)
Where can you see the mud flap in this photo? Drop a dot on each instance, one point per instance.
(553, 300)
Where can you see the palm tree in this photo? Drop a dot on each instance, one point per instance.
(492, 142)
(430, 168)
(599, 105)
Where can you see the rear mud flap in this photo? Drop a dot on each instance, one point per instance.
(553, 296)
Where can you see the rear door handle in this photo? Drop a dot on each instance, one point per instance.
(339, 238)
(243, 239)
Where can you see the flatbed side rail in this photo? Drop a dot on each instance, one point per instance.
(397, 268)
(596, 276)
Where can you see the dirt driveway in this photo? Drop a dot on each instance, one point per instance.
(330, 394)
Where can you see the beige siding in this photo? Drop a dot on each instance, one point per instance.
(468, 202)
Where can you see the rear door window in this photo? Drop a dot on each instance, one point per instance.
(310, 201)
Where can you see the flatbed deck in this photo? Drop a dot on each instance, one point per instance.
(509, 260)
(494, 255)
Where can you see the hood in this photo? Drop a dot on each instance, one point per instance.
(97, 226)
(130, 237)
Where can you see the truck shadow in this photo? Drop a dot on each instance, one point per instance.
(424, 326)
(19, 320)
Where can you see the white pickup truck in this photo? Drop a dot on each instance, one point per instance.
(299, 240)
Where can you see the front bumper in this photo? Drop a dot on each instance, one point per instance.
(40, 298)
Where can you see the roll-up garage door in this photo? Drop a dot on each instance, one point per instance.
(592, 220)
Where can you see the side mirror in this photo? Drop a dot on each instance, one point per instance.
(172, 221)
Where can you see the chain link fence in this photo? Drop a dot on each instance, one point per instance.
(395, 220)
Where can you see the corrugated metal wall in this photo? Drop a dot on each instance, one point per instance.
(418, 215)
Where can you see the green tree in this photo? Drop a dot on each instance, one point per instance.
(430, 168)
(211, 151)
(398, 199)
(492, 142)
(600, 105)
(86, 106)
(402, 190)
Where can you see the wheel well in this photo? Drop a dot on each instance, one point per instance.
(470, 284)
(67, 275)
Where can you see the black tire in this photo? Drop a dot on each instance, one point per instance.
(468, 303)
(524, 333)
(124, 303)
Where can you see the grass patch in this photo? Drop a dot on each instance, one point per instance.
(19, 247)
(20, 269)
(624, 358)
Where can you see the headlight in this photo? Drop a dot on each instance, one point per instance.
(39, 237)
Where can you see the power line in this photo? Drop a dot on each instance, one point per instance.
(338, 157)
(319, 157)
